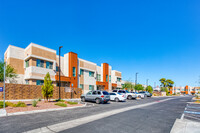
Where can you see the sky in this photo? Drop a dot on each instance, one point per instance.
(157, 39)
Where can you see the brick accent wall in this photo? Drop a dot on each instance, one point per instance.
(21, 91)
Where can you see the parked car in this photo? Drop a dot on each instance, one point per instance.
(146, 94)
(117, 97)
(96, 96)
(139, 95)
(127, 94)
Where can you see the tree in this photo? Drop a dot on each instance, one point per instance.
(149, 89)
(163, 82)
(10, 72)
(128, 85)
(47, 88)
(139, 87)
(166, 84)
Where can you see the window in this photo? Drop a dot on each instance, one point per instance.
(110, 78)
(39, 82)
(89, 93)
(27, 63)
(39, 63)
(27, 82)
(57, 68)
(91, 87)
(91, 74)
(94, 93)
(118, 79)
(81, 71)
(74, 71)
(98, 77)
(82, 86)
(106, 78)
(105, 93)
(49, 65)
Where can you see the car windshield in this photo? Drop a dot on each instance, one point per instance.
(119, 93)
(136, 92)
(114, 90)
(127, 91)
(105, 93)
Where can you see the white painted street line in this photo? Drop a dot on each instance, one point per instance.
(182, 116)
(77, 122)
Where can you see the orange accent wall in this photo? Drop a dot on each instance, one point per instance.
(170, 90)
(73, 62)
(114, 85)
(105, 72)
(62, 78)
(186, 89)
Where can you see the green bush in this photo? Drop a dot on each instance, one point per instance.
(10, 104)
(60, 100)
(61, 104)
(39, 99)
(34, 103)
(71, 103)
(20, 104)
(1, 104)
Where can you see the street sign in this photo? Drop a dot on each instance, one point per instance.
(1, 89)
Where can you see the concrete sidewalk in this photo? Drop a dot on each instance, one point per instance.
(185, 126)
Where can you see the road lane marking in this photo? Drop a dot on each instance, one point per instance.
(192, 112)
(77, 122)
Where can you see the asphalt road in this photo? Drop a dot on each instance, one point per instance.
(159, 118)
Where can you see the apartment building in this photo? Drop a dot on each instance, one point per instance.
(35, 61)
(186, 90)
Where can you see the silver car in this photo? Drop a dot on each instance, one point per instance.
(96, 96)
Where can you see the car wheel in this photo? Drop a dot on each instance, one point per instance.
(139, 96)
(116, 99)
(129, 97)
(83, 99)
(98, 101)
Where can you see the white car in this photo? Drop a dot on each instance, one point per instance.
(127, 94)
(117, 97)
(139, 95)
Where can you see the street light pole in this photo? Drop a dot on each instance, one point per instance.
(59, 70)
(147, 82)
(136, 78)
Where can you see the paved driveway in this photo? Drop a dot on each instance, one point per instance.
(154, 118)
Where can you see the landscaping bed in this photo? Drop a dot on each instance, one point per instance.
(13, 107)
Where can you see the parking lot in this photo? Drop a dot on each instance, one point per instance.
(192, 112)
(157, 114)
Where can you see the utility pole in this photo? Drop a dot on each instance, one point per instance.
(4, 85)
(59, 71)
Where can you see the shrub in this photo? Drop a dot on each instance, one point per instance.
(10, 104)
(61, 104)
(47, 88)
(71, 103)
(39, 99)
(21, 104)
(34, 103)
(1, 104)
(60, 100)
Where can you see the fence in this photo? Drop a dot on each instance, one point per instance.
(22, 91)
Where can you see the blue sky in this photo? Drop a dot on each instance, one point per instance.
(153, 37)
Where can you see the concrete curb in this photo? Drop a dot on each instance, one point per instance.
(185, 126)
(43, 110)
